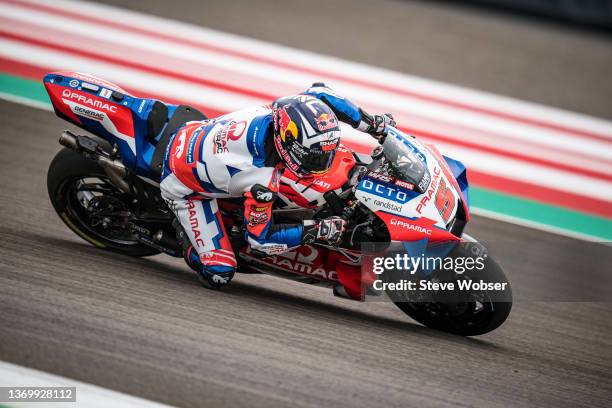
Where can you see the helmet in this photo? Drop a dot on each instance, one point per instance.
(306, 134)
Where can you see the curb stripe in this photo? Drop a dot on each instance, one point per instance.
(428, 115)
(588, 226)
(577, 179)
(485, 202)
(497, 182)
(427, 135)
(81, 14)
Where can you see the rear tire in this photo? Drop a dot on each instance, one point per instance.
(65, 170)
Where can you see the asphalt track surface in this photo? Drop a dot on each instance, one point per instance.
(146, 327)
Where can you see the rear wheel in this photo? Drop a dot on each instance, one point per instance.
(91, 206)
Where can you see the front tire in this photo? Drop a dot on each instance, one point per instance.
(66, 171)
(483, 314)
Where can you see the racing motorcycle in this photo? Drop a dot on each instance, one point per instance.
(105, 188)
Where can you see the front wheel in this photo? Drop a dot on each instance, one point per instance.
(91, 206)
(481, 312)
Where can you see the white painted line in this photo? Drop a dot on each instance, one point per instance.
(87, 395)
(26, 101)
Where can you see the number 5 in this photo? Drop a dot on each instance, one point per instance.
(445, 201)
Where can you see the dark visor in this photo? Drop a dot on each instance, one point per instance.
(316, 161)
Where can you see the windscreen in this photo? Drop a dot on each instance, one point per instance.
(404, 161)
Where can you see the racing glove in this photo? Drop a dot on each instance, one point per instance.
(375, 125)
(327, 231)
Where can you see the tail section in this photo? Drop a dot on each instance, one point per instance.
(108, 111)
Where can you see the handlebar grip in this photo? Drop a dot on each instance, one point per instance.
(335, 203)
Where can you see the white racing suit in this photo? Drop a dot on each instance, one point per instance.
(234, 156)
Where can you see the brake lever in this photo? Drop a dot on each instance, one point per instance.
(348, 255)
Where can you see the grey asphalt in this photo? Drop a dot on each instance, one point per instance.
(146, 327)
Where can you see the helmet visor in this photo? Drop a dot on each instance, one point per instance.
(318, 161)
(312, 161)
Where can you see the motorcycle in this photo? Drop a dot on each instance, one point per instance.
(105, 188)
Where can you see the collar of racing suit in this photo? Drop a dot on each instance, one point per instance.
(272, 156)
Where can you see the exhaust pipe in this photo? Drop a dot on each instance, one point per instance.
(115, 170)
(68, 139)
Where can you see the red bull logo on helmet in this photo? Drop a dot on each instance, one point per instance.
(285, 125)
(327, 121)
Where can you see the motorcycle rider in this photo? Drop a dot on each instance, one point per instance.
(243, 154)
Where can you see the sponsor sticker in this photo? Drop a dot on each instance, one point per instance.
(404, 184)
(106, 93)
(430, 191)
(410, 226)
(87, 100)
(264, 196)
(388, 205)
(384, 191)
(379, 176)
(257, 217)
(326, 121)
(191, 146)
(90, 113)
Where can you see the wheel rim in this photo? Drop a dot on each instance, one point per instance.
(462, 315)
(100, 209)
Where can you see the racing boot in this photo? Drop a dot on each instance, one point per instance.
(210, 276)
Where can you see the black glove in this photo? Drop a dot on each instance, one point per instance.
(328, 231)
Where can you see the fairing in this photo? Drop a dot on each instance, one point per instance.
(107, 111)
(423, 206)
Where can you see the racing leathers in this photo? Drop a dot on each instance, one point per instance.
(234, 156)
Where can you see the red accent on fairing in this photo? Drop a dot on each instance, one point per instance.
(55, 94)
(334, 178)
(350, 276)
(121, 116)
(404, 229)
(288, 192)
(449, 175)
(321, 264)
(304, 260)
(338, 173)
